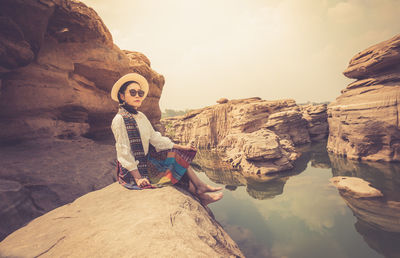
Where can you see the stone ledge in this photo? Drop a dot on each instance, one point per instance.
(117, 222)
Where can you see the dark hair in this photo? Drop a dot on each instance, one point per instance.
(123, 88)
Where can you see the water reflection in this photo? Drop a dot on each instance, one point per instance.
(218, 171)
(384, 176)
(259, 186)
(298, 214)
(378, 219)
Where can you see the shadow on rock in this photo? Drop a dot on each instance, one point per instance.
(41, 175)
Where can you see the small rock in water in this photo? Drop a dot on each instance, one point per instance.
(356, 187)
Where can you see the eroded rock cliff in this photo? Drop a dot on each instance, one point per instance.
(364, 120)
(58, 63)
(256, 135)
(140, 224)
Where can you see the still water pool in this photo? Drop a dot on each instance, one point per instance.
(299, 214)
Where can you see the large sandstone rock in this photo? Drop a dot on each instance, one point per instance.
(117, 222)
(260, 152)
(58, 64)
(375, 60)
(364, 120)
(255, 135)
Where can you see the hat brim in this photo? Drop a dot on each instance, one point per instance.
(144, 85)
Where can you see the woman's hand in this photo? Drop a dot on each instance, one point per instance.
(142, 182)
(185, 147)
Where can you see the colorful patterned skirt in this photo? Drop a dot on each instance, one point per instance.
(166, 167)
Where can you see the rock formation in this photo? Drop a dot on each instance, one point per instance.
(364, 120)
(58, 63)
(257, 136)
(101, 223)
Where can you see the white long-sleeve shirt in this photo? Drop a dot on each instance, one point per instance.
(147, 134)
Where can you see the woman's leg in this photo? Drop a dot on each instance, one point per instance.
(192, 188)
(204, 198)
(200, 186)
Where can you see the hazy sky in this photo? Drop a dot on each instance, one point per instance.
(273, 49)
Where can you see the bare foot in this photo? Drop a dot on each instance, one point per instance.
(207, 188)
(206, 199)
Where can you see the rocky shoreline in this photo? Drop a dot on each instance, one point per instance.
(58, 66)
(257, 136)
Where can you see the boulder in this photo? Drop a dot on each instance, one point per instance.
(356, 187)
(258, 153)
(375, 60)
(364, 120)
(117, 222)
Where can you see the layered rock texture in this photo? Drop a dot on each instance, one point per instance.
(58, 63)
(364, 120)
(256, 135)
(102, 223)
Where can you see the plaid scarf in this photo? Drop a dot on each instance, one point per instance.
(136, 144)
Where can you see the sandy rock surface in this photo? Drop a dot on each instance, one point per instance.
(117, 222)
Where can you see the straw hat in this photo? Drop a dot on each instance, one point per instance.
(144, 85)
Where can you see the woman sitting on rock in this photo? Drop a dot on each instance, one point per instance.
(145, 159)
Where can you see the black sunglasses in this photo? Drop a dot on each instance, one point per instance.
(139, 92)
